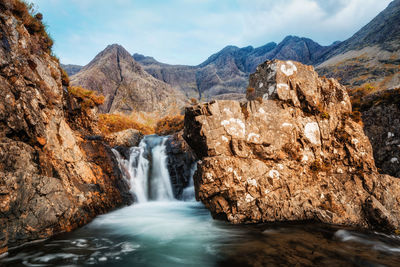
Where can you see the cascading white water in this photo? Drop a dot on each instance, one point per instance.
(147, 170)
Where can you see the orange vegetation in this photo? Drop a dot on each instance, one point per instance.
(89, 98)
(169, 125)
(111, 123)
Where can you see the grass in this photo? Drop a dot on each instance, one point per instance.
(111, 123)
(88, 98)
(26, 13)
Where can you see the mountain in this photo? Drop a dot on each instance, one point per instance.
(225, 74)
(372, 55)
(125, 85)
(71, 69)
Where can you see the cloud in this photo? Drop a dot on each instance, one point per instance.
(188, 31)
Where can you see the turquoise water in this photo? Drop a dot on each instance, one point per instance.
(184, 234)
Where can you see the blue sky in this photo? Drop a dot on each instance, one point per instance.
(188, 31)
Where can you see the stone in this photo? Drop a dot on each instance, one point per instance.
(51, 179)
(293, 154)
(126, 138)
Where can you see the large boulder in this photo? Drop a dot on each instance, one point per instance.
(51, 179)
(292, 154)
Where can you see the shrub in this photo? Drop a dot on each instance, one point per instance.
(33, 23)
(88, 98)
(169, 125)
(111, 123)
(65, 78)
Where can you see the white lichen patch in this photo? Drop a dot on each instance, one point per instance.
(274, 174)
(339, 170)
(237, 176)
(280, 166)
(390, 135)
(253, 137)
(355, 141)
(224, 138)
(311, 131)
(227, 111)
(283, 86)
(304, 158)
(265, 96)
(286, 124)
(209, 177)
(260, 85)
(271, 89)
(230, 169)
(288, 69)
(266, 191)
(249, 198)
(234, 127)
(394, 160)
(252, 182)
(261, 110)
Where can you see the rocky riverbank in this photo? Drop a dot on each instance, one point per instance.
(292, 153)
(53, 176)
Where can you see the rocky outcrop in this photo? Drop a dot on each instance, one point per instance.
(126, 86)
(381, 118)
(181, 162)
(127, 138)
(51, 179)
(294, 154)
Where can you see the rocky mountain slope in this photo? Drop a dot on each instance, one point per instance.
(125, 85)
(293, 154)
(372, 55)
(226, 72)
(71, 69)
(52, 178)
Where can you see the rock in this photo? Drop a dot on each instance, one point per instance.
(294, 154)
(51, 179)
(181, 162)
(126, 138)
(381, 118)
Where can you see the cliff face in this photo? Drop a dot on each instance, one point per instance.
(126, 86)
(51, 179)
(292, 154)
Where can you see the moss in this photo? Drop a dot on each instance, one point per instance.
(325, 115)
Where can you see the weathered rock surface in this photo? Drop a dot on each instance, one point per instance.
(125, 85)
(181, 161)
(51, 179)
(295, 155)
(126, 138)
(381, 118)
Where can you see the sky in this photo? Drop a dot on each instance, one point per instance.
(189, 31)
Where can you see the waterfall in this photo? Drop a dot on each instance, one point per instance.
(147, 171)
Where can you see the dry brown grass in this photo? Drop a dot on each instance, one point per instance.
(169, 125)
(88, 98)
(111, 123)
(33, 23)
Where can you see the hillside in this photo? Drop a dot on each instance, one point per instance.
(125, 85)
(372, 55)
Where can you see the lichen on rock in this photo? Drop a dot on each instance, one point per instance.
(296, 155)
